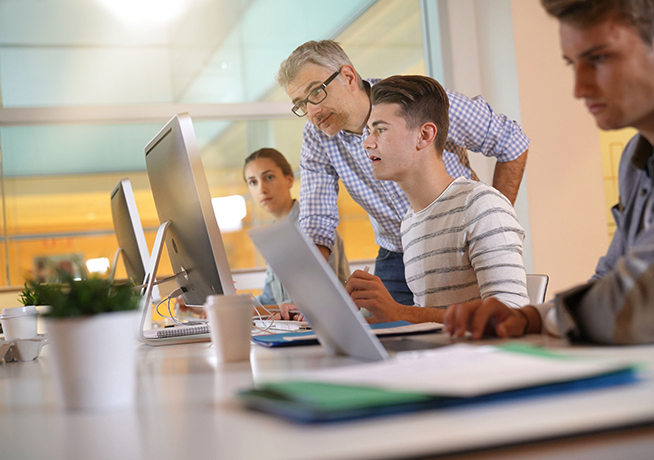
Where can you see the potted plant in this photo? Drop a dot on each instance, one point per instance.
(21, 322)
(90, 328)
(37, 294)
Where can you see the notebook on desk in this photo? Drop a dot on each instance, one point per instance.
(197, 331)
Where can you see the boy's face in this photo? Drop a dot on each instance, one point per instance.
(614, 73)
(392, 144)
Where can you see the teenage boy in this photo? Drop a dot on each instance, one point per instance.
(460, 237)
(324, 86)
(610, 46)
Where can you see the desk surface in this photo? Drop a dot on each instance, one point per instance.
(186, 409)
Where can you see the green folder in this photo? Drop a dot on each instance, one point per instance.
(315, 402)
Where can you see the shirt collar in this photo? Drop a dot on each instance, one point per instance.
(642, 154)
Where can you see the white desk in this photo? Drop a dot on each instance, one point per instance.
(186, 409)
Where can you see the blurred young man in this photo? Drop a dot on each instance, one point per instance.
(461, 238)
(609, 44)
(325, 87)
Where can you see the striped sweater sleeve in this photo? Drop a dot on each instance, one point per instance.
(494, 238)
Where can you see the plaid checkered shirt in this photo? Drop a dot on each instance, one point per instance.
(323, 160)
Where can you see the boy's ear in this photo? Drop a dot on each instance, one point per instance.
(427, 135)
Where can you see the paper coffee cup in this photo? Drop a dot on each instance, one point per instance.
(19, 322)
(230, 321)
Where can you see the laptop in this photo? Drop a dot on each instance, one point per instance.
(317, 291)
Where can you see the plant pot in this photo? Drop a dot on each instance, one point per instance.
(19, 322)
(93, 360)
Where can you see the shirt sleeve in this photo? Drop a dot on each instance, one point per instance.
(266, 297)
(618, 308)
(318, 190)
(476, 127)
(616, 249)
(495, 247)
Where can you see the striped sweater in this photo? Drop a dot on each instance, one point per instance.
(466, 245)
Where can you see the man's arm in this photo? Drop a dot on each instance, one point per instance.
(318, 190)
(508, 175)
(476, 127)
(618, 308)
(369, 292)
(494, 245)
(324, 250)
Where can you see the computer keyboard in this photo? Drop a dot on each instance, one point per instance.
(282, 325)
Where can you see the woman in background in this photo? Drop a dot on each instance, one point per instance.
(270, 178)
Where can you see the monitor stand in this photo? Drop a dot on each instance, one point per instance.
(150, 288)
(155, 296)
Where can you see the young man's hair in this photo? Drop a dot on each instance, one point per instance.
(271, 154)
(324, 53)
(421, 100)
(637, 13)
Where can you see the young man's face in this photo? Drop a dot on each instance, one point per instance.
(614, 73)
(331, 115)
(392, 144)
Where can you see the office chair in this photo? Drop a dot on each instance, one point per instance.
(536, 288)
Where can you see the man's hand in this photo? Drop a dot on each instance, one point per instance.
(183, 308)
(288, 311)
(490, 317)
(369, 292)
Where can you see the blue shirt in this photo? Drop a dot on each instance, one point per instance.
(324, 160)
(617, 305)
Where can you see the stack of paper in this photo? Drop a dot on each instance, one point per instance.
(453, 375)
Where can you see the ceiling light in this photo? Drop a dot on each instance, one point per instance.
(144, 13)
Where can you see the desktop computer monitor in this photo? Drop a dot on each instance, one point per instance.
(129, 233)
(181, 195)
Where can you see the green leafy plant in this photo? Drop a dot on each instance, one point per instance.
(35, 293)
(92, 296)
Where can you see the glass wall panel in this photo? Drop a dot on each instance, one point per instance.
(57, 179)
(215, 51)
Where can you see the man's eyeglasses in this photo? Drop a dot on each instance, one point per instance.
(315, 97)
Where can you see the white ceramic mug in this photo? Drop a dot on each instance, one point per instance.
(230, 321)
(19, 322)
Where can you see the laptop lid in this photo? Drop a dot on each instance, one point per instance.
(316, 291)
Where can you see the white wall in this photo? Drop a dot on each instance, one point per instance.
(470, 49)
(564, 175)
(508, 51)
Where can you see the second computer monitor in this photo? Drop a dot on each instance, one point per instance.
(181, 195)
(129, 232)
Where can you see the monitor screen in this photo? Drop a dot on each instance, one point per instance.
(181, 196)
(129, 232)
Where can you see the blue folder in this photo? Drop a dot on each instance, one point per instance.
(280, 340)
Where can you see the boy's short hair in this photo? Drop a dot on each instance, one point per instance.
(637, 13)
(324, 53)
(421, 100)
